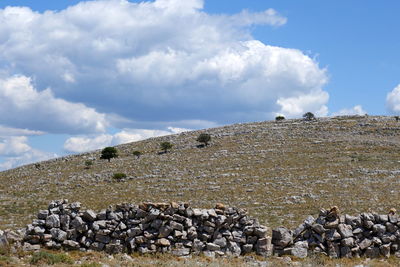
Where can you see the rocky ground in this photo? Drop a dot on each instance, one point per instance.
(281, 172)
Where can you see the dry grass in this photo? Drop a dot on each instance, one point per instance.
(281, 172)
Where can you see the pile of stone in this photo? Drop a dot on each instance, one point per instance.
(368, 234)
(149, 228)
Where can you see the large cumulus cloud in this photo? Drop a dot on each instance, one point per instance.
(393, 100)
(159, 61)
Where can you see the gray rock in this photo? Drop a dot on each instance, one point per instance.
(385, 250)
(53, 221)
(89, 215)
(261, 232)
(365, 243)
(180, 252)
(372, 252)
(281, 237)
(221, 242)
(379, 229)
(165, 231)
(318, 228)
(3, 240)
(198, 245)
(58, 234)
(345, 252)
(247, 248)
(72, 245)
(348, 242)
(345, 230)
(42, 214)
(333, 235)
(212, 247)
(333, 249)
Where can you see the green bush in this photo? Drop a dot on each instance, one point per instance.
(137, 153)
(109, 153)
(88, 164)
(50, 258)
(165, 146)
(204, 138)
(119, 176)
(279, 118)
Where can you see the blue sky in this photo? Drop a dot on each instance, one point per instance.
(107, 72)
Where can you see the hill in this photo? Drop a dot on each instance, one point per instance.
(280, 171)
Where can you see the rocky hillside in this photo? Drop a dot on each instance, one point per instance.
(279, 171)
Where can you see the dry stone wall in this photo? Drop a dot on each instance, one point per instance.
(367, 234)
(148, 228)
(182, 230)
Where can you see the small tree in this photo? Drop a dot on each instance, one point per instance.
(137, 153)
(165, 146)
(204, 138)
(309, 116)
(109, 153)
(279, 118)
(88, 164)
(397, 118)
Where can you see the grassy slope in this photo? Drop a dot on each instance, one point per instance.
(281, 172)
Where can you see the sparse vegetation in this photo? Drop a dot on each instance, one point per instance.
(309, 116)
(165, 146)
(119, 176)
(108, 153)
(204, 138)
(137, 154)
(397, 118)
(45, 257)
(279, 118)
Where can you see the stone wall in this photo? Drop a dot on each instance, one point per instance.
(148, 228)
(182, 230)
(368, 234)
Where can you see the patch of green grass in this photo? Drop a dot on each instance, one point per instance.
(50, 258)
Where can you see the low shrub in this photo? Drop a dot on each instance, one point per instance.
(279, 118)
(119, 176)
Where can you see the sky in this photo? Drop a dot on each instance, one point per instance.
(76, 76)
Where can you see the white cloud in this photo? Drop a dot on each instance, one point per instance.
(393, 100)
(267, 17)
(9, 131)
(24, 106)
(356, 110)
(88, 143)
(160, 61)
(15, 151)
(295, 106)
(14, 145)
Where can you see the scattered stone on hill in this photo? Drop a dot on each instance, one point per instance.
(148, 228)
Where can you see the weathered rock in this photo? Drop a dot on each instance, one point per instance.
(89, 215)
(372, 252)
(345, 230)
(281, 237)
(53, 221)
(72, 245)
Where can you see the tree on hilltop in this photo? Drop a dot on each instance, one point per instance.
(108, 153)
